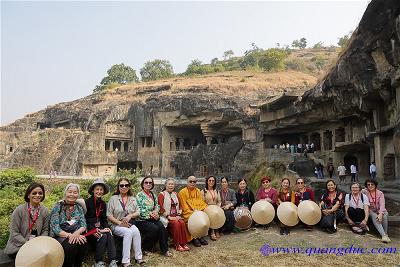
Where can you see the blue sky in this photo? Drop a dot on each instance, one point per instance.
(54, 52)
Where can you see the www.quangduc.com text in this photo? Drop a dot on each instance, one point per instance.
(338, 251)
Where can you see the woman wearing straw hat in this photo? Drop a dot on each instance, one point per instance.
(303, 193)
(228, 203)
(67, 225)
(332, 207)
(121, 212)
(96, 218)
(378, 213)
(212, 197)
(356, 208)
(285, 195)
(28, 220)
(170, 209)
(149, 222)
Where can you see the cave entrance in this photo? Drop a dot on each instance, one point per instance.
(129, 165)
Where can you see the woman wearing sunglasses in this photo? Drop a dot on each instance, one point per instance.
(377, 213)
(303, 193)
(149, 222)
(121, 212)
(267, 192)
(28, 220)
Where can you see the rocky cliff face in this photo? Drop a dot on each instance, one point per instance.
(149, 119)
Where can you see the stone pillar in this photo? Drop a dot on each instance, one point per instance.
(122, 146)
(172, 144)
(209, 140)
(321, 140)
(219, 140)
(181, 146)
(378, 157)
(333, 139)
(111, 145)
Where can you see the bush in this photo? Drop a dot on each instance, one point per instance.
(272, 59)
(20, 177)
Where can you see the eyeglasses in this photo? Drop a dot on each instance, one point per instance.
(148, 182)
(265, 182)
(300, 182)
(192, 182)
(124, 185)
(37, 193)
(370, 184)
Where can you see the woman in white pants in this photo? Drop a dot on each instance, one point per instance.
(121, 212)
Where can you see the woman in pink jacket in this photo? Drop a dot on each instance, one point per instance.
(377, 210)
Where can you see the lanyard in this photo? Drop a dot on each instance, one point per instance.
(374, 200)
(213, 195)
(224, 195)
(97, 210)
(123, 204)
(356, 200)
(34, 217)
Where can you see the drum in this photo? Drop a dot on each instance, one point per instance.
(243, 218)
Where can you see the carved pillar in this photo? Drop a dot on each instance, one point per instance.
(181, 145)
(209, 140)
(111, 145)
(122, 146)
(321, 140)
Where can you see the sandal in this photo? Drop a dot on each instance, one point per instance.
(213, 237)
(140, 262)
(168, 254)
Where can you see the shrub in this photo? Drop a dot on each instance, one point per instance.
(272, 59)
(20, 177)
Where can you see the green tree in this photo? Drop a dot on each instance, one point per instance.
(214, 62)
(196, 67)
(318, 45)
(249, 60)
(156, 69)
(302, 43)
(344, 40)
(272, 59)
(228, 54)
(119, 74)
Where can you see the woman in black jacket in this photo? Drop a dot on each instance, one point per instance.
(96, 219)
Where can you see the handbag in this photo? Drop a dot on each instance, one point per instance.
(69, 228)
(327, 221)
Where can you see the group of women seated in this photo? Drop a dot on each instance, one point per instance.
(147, 219)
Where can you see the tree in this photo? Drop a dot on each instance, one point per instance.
(228, 54)
(249, 60)
(344, 40)
(118, 73)
(272, 59)
(302, 43)
(156, 69)
(318, 45)
(196, 67)
(214, 62)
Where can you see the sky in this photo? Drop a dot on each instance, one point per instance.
(54, 51)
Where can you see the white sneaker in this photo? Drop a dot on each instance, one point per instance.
(100, 264)
(386, 239)
(113, 263)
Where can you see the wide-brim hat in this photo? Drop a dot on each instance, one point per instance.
(41, 251)
(309, 212)
(243, 218)
(262, 212)
(287, 213)
(99, 181)
(216, 215)
(198, 224)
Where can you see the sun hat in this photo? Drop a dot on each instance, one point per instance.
(262, 212)
(99, 181)
(198, 224)
(287, 213)
(309, 212)
(41, 251)
(216, 215)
